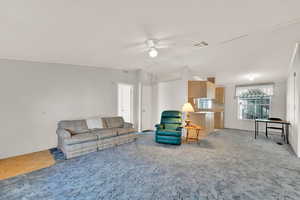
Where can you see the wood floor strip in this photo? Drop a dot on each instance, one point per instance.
(23, 164)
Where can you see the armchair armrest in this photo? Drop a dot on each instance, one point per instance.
(159, 126)
(128, 125)
(63, 133)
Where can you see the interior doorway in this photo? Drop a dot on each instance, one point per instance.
(125, 101)
(146, 108)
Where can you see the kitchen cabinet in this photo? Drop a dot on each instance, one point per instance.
(208, 102)
(201, 89)
(203, 119)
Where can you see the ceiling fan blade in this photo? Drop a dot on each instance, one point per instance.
(133, 45)
(234, 39)
(163, 46)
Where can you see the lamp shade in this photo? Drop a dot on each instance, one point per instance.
(187, 107)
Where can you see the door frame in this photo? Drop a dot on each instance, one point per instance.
(131, 99)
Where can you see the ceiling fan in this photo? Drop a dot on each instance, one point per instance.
(151, 43)
(155, 42)
(152, 46)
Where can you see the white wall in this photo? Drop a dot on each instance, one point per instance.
(278, 108)
(171, 96)
(293, 103)
(169, 92)
(35, 96)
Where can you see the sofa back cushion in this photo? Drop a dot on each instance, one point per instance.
(113, 122)
(94, 122)
(73, 125)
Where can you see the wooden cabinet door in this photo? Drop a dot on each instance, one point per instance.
(201, 89)
(197, 89)
(220, 95)
(211, 90)
(192, 89)
(219, 120)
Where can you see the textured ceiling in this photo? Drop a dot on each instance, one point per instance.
(244, 36)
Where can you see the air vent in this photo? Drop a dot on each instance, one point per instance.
(201, 44)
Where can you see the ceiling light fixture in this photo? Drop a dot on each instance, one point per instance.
(153, 52)
(251, 77)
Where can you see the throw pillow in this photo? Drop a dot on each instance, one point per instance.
(71, 132)
(94, 122)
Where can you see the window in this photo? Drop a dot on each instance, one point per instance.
(254, 108)
(254, 102)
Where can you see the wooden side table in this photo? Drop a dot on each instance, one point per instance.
(197, 129)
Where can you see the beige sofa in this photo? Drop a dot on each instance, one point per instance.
(75, 138)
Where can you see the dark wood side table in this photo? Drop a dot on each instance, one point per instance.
(197, 130)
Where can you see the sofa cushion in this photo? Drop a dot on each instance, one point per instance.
(105, 133)
(167, 132)
(73, 125)
(81, 131)
(70, 131)
(122, 131)
(113, 122)
(81, 138)
(76, 132)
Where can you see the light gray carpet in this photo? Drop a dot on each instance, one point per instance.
(229, 164)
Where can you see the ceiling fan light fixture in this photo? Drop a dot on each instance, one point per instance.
(153, 52)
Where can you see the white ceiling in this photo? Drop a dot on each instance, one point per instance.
(104, 33)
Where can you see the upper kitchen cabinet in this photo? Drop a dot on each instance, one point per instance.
(201, 89)
(220, 95)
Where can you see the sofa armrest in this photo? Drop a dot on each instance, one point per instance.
(159, 126)
(63, 133)
(128, 125)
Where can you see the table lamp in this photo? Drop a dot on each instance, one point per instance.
(187, 108)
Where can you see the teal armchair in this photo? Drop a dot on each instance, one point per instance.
(169, 129)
